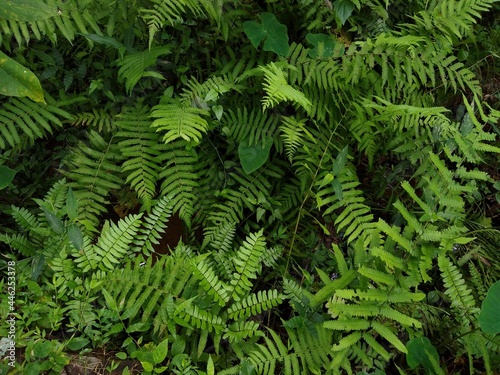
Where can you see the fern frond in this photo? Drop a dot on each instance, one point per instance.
(66, 19)
(153, 226)
(210, 282)
(293, 131)
(449, 20)
(255, 304)
(21, 117)
(112, 246)
(347, 324)
(93, 171)
(99, 119)
(219, 238)
(239, 331)
(456, 289)
(253, 126)
(199, 318)
(180, 121)
(294, 292)
(390, 336)
(278, 90)
(19, 243)
(163, 12)
(377, 276)
(150, 289)
(244, 193)
(393, 233)
(246, 264)
(179, 178)
(373, 343)
(347, 341)
(55, 198)
(210, 90)
(25, 219)
(144, 152)
(133, 67)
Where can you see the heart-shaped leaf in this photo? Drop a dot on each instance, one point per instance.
(271, 30)
(344, 9)
(489, 317)
(42, 348)
(6, 176)
(160, 352)
(252, 157)
(324, 46)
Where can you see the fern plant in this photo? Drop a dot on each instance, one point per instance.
(319, 148)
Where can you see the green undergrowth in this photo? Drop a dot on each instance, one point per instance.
(334, 164)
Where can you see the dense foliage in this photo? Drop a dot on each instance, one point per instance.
(335, 165)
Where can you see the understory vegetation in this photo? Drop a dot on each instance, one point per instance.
(335, 166)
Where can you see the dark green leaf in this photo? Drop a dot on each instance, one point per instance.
(178, 346)
(337, 188)
(271, 30)
(252, 157)
(55, 223)
(344, 9)
(4, 368)
(489, 317)
(218, 110)
(26, 10)
(116, 328)
(104, 40)
(77, 343)
(42, 348)
(419, 350)
(71, 205)
(18, 80)
(37, 266)
(75, 236)
(339, 163)
(6, 176)
(324, 45)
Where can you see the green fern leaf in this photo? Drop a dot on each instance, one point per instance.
(387, 334)
(210, 282)
(460, 295)
(133, 67)
(112, 246)
(278, 89)
(22, 116)
(144, 153)
(178, 121)
(153, 226)
(255, 304)
(246, 264)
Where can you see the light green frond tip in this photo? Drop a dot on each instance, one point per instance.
(278, 90)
